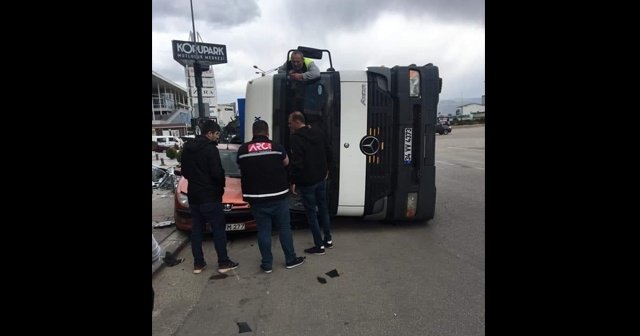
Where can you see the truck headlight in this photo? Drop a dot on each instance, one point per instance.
(412, 204)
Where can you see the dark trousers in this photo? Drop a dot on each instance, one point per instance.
(313, 196)
(201, 215)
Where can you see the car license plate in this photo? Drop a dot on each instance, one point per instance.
(235, 226)
(408, 136)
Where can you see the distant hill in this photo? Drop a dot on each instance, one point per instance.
(448, 106)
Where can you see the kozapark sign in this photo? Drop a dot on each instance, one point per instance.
(186, 52)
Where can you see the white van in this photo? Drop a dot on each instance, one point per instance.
(167, 140)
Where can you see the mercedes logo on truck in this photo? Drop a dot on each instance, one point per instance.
(369, 145)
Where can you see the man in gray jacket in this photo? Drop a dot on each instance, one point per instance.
(301, 72)
(299, 68)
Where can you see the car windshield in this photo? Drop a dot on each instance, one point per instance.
(228, 158)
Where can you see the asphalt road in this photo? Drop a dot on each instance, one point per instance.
(422, 279)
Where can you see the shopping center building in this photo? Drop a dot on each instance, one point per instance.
(170, 109)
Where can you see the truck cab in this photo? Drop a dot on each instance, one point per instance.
(381, 126)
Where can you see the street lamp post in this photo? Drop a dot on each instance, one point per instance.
(197, 67)
(261, 71)
(264, 73)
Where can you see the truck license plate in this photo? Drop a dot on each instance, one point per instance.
(408, 136)
(235, 226)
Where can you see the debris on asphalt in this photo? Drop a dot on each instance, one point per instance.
(333, 273)
(170, 260)
(218, 277)
(322, 280)
(244, 327)
(163, 224)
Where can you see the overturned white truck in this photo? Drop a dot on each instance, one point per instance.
(381, 126)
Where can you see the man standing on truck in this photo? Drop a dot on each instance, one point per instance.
(299, 68)
(311, 158)
(299, 71)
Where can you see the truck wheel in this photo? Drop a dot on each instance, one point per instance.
(446, 132)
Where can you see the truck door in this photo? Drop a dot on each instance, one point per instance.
(321, 108)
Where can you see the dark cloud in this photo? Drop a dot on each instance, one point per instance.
(218, 13)
(337, 14)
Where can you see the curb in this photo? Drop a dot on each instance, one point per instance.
(173, 244)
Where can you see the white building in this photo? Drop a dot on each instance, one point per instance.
(470, 111)
(170, 110)
(209, 91)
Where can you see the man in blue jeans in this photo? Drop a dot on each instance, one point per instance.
(202, 167)
(265, 186)
(311, 158)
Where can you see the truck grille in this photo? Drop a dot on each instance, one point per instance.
(379, 122)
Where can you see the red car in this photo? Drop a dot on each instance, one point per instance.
(237, 212)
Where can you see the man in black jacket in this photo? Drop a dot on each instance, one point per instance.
(202, 167)
(311, 159)
(265, 186)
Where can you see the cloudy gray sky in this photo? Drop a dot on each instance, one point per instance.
(359, 33)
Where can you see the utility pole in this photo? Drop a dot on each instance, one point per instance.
(200, 56)
(197, 67)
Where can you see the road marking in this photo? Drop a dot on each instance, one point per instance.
(472, 161)
(446, 163)
(458, 165)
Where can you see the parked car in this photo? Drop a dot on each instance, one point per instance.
(442, 129)
(187, 138)
(237, 212)
(167, 141)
